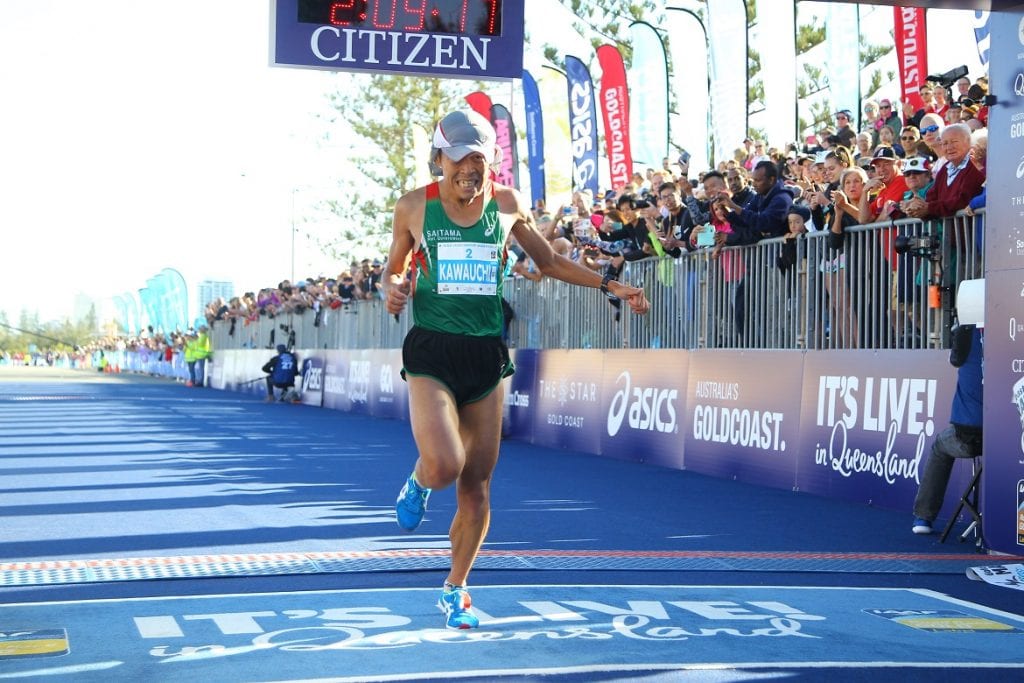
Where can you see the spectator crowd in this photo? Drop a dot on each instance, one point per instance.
(901, 162)
(359, 282)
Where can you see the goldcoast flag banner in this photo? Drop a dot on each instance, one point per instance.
(688, 44)
(557, 143)
(911, 52)
(583, 120)
(727, 22)
(615, 111)
(648, 77)
(534, 137)
(508, 173)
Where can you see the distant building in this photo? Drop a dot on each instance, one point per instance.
(208, 290)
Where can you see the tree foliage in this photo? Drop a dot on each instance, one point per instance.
(383, 111)
(605, 21)
(59, 336)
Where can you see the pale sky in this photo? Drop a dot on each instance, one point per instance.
(137, 135)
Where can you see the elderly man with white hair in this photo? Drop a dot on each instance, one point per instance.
(957, 182)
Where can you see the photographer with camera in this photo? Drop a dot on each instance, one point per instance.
(698, 211)
(672, 227)
(963, 437)
(765, 215)
(281, 372)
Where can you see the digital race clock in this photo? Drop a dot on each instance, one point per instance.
(478, 39)
(465, 17)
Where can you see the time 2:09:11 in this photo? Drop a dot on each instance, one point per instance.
(447, 16)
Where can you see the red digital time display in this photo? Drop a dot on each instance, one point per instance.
(464, 17)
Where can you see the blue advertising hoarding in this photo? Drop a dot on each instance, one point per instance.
(311, 383)
(868, 422)
(347, 381)
(568, 412)
(388, 396)
(743, 415)
(1003, 478)
(517, 420)
(644, 405)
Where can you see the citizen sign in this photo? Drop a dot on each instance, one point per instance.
(394, 48)
(649, 409)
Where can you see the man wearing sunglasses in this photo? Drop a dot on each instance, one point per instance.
(931, 131)
(908, 141)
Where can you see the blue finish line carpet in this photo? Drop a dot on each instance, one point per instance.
(356, 635)
(156, 532)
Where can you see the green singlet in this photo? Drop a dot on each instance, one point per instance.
(458, 272)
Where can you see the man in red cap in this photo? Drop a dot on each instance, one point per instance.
(887, 186)
(454, 233)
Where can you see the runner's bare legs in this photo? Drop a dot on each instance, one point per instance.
(458, 445)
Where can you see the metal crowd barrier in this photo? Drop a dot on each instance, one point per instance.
(865, 296)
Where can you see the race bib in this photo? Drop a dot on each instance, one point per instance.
(467, 268)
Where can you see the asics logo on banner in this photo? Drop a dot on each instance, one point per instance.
(312, 378)
(387, 380)
(648, 408)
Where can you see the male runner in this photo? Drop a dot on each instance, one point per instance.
(454, 231)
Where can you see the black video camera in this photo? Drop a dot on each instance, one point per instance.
(946, 80)
(922, 246)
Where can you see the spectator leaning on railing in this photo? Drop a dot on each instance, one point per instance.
(765, 215)
(958, 181)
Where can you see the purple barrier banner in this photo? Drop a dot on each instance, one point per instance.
(389, 395)
(743, 415)
(347, 381)
(643, 406)
(868, 421)
(520, 392)
(567, 403)
(1003, 483)
(1003, 477)
(311, 388)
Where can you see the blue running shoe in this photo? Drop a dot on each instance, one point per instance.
(457, 607)
(411, 504)
(922, 526)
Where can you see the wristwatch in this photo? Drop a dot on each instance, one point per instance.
(604, 285)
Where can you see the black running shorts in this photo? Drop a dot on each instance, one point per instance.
(470, 367)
